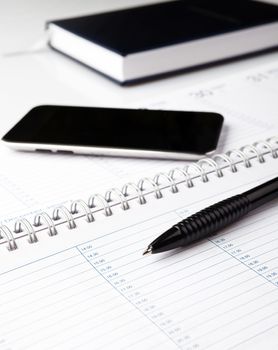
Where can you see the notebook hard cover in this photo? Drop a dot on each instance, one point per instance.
(136, 43)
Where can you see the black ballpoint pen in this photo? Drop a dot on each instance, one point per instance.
(208, 221)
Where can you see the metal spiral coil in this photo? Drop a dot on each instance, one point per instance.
(24, 224)
(145, 186)
(199, 170)
(118, 194)
(187, 177)
(103, 202)
(155, 186)
(66, 214)
(226, 159)
(11, 243)
(84, 207)
(139, 192)
(52, 231)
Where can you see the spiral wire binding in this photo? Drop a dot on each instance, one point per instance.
(66, 214)
(130, 191)
(28, 227)
(52, 231)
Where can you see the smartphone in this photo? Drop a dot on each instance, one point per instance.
(117, 132)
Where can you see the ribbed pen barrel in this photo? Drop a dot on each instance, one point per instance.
(202, 224)
(206, 222)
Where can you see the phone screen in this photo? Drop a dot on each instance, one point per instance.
(153, 130)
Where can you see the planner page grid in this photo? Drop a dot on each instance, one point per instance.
(91, 286)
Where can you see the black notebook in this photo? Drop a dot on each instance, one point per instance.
(140, 42)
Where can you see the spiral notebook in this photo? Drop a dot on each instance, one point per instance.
(86, 285)
(75, 277)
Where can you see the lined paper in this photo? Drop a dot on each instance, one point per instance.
(92, 288)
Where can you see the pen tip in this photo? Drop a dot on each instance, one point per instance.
(148, 250)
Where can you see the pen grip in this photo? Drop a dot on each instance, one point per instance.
(207, 221)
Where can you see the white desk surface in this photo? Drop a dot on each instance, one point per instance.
(32, 74)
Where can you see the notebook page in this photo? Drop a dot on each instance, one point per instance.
(248, 102)
(90, 287)
(31, 182)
